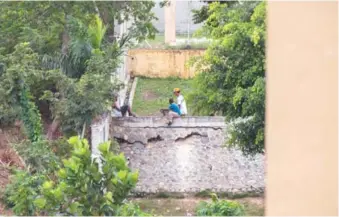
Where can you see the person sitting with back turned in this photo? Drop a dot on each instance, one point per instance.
(174, 112)
(121, 111)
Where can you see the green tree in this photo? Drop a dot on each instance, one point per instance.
(21, 71)
(44, 24)
(68, 36)
(138, 12)
(76, 87)
(74, 102)
(202, 14)
(78, 187)
(77, 103)
(232, 78)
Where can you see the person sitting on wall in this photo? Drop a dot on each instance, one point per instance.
(180, 101)
(174, 112)
(121, 111)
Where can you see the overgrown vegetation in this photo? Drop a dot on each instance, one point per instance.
(45, 24)
(64, 55)
(232, 78)
(77, 186)
(220, 208)
(188, 206)
(207, 193)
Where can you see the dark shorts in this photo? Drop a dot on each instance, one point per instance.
(123, 110)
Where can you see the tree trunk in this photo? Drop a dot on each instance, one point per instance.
(65, 38)
(65, 42)
(106, 18)
(52, 129)
(83, 131)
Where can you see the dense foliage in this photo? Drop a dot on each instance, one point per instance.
(74, 101)
(77, 186)
(57, 64)
(44, 24)
(131, 209)
(30, 115)
(232, 78)
(202, 14)
(70, 52)
(219, 208)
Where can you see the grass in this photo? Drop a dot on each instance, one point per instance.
(182, 207)
(152, 94)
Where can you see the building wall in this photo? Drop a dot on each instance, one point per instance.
(188, 157)
(162, 63)
(302, 109)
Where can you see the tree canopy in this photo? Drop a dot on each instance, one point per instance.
(232, 78)
(72, 53)
(44, 24)
(202, 14)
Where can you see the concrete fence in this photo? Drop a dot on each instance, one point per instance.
(162, 63)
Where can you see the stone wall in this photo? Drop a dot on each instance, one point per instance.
(187, 157)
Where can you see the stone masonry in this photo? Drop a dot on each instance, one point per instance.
(189, 156)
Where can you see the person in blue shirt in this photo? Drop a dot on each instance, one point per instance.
(174, 107)
(174, 111)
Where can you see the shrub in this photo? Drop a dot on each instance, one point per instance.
(78, 187)
(130, 209)
(21, 192)
(60, 147)
(38, 155)
(220, 208)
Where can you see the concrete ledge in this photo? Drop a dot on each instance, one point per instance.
(141, 122)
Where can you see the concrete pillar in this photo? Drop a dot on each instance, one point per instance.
(107, 122)
(97, 137)
(121, 71)
(302, 109)
(170, 31)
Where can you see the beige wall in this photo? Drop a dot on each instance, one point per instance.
(162, 63)
(302, 108)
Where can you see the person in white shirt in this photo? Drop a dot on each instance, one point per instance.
(180, 101)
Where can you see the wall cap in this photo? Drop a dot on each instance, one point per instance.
(187, 122)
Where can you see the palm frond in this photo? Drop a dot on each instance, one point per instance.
(79, 50)
(51, 61)
(96, 32)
